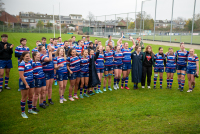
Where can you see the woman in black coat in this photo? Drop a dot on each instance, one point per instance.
(136, 57)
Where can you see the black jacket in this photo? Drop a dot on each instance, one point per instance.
(5, 54)
(91, 48)
(93, 77)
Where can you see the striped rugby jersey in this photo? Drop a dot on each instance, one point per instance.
(108, 57)
(37, 70)
(159, 60)
(118, 58)
(100, 62)
(28, 71)
(47, 66)
(20, 49)
(84, 64)
(182, 57)
(171, 60)
(192, 62)
(58, 61)
(74, 63)
(126, 54)
(78, 49)
(35, 50)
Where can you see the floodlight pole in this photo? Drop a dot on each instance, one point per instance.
(171, 21)
(141, 18)
(53, 22)
(115, 24)
(135, 14)
(155, 22)
(105, 26)
(193, 21)
(59, 19)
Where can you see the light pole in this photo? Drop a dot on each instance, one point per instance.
(171, 21)
(193, 21)
(154, 21)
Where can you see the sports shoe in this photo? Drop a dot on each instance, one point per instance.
(143, 87)
(71, 99)
(167, 87)
(179, 87)
(154, 87)
(110, 89)
(46, 104)
(100, 91)
(115, 86)
(19, 90)
(35, 109)
(104, 89)
(6, 87)
(127, 88)
(51, 102)
(85, 95)
(64, 99)
(61, 100)
(148, 87)
(170, 87)
(55, 83)
(134, 87)
(96, 91)
(32, 112)
(81, 96)
(122, 87)
(75, 97)
(161, 87)
(181, 90)
(189, 90)
(24, 115)
(43, 106)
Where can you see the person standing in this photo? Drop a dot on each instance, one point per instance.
(148, 62)
(110, 39)
(6, 50)
(140, 43)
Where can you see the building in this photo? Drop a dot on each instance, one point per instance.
(167, 23)
(7, 18)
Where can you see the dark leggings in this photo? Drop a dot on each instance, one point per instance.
(146, 71)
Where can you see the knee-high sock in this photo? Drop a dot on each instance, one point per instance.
(155, 80)
(168, 81)
(161, 82)
(122, 84)
(171, 81)
(126, 81)
(6, 81)
(23, 103)
(29, 104)
(182, 83)
(1, 83)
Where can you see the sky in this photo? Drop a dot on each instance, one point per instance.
(182, 8)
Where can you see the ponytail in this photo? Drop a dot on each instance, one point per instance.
(22, 56)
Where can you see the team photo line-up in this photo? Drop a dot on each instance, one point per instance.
(85, 63)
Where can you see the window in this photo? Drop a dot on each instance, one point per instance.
(31, 20)
(62, 21)
(41, 16)
(79, 17)
(24, 20)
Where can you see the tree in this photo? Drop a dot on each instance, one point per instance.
(188, 25)
(71, 25)
(91, 17)
(49, 24)
(63, 25)
(131, 25)
(40, 24)
(1, 6)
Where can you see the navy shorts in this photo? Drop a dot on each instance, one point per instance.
(74, 75)
(5, 64)
(40, 82)
(22, 86)
(82, 74)
(118, 66)
(49, 74)
(158, 69)
(100, 70)
(170, 70)
(108, 68)
(183, 68)
(61, 76)
(191, 71)
(126, 66)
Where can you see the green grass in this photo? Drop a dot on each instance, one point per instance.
(121, 111)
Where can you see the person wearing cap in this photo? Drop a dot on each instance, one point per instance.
(140, 43)
(6, 51)
(110, 39)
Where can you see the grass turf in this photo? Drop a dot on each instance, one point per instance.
(121, 111)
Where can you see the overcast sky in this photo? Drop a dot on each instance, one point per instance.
(182, 8)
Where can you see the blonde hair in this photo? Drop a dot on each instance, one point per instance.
(58, 50)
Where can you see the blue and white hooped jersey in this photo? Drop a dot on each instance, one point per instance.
(118, 56)
(55, 49)
(159, 60)
(171, 61)
(58, 61)
(71, 47)
(126, 55)
(192, 62)
(74, 63)
(37, 70)
(47, 66)
(182, 57)
(20, 49)
(100, 62)
(60, 44)
(35, 50)
(28, 71)
(78, 49)
(85, 64)
(108, 57)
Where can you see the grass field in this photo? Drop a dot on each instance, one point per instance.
(121, 111)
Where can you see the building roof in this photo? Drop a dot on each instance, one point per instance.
(6, 17)
(32, 15)
(75, 15)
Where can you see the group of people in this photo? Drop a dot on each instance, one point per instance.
(85, 63)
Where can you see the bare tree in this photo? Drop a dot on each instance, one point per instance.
(1, 6)
(91, 17)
